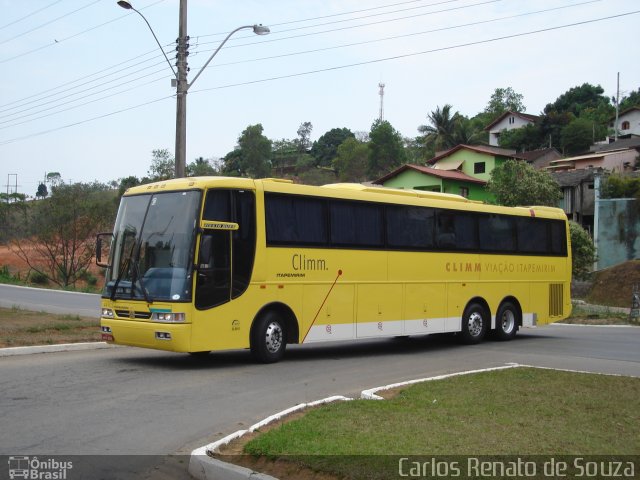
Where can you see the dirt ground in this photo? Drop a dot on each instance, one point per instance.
(11, 260)
(613, 286)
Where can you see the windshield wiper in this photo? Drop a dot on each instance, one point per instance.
(124, 268)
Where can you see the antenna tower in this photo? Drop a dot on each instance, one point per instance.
(381, 92)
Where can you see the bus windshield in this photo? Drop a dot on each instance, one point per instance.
(152, 248)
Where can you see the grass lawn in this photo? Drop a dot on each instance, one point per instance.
(520, 411)
(22, 327)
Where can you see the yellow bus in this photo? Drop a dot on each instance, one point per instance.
(214, 263)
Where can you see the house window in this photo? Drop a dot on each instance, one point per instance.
(479, 167)
(625, 125)
(464, 191)
(512, 120)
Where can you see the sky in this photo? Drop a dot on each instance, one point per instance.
(86, 91)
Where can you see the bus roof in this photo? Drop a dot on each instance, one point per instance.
(353, 191)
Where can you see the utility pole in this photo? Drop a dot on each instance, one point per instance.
(181, 92)
(615, 126)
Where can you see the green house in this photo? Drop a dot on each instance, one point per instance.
(463, 170)
(433, 180)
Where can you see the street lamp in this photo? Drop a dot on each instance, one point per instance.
(182, 85)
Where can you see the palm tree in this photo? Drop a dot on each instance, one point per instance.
(440, 135)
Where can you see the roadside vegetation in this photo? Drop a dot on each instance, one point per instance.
(20, 328)
(520, 411)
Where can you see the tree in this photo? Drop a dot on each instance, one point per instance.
(516, 183)
(440, 134)
(386, 149)
(583, 251)
(42, 191)
(255, 152)
(631, 100)
(351, 163)
(163, 165)
(577, 136)
(303, 141)
(587, 102)
(529, 137)
(200, 167)
(65, 225)
(504, 100)
(126, 183)
(325, 149)
(54, 179)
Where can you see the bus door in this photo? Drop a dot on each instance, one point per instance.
(227, 247)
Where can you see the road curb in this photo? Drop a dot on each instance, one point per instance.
(63, 347)
(204, 467)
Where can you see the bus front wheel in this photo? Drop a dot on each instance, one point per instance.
(474, 324)
(268, 338)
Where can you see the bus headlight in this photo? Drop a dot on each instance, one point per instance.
(107, 313)
(168, 317)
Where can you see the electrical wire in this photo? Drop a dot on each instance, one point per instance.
(414, 54)
(48, 23)
(396, 37)
(119, 79)
(339, 67)
(29, 15)
(58, 41)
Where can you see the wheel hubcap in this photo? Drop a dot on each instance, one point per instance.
(274, 337)
(475, 324)
(508, 321)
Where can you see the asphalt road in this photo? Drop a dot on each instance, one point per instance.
(52, 301)
(128, 401)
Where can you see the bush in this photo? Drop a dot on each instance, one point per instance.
(583, 251)
(38, 278)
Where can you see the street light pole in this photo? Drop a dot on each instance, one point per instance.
(182, 85)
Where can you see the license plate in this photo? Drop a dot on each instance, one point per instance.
(107, 337)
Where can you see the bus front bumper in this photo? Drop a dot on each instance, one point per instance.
(174, 337)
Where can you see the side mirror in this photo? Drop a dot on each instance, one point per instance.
(99, 247)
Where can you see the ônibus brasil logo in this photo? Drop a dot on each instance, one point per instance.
(36, 469)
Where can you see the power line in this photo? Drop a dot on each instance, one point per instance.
(48, 23)
(396, 37)
(80, 122)
(42, 110)
(29, 15)
(339, 67)
(341, 14)
(408, 55)
(58, 41)
(313, 33)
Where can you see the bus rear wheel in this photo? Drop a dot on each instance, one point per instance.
(507, 321)
(474, 324)
(268, 338)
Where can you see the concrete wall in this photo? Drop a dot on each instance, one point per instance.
(618, 235)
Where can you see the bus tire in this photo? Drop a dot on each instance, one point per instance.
(507, 321)
(475, 323)
(268, 338)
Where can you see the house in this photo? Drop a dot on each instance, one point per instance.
(508, 121)
(628, 122)
(614, 161)
(463, 170)
(418, 177)
(541, 158)
(477, 161)
(578, 195)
